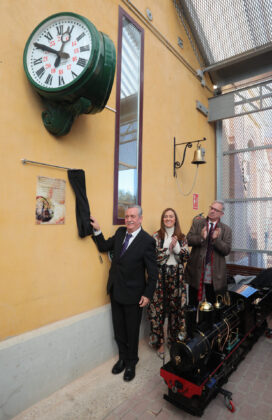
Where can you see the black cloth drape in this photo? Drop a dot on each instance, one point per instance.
(77, 181)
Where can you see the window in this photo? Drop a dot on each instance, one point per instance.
(129, 106)
(246, 186)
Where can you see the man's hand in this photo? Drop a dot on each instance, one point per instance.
(204, 232)
(94, 223)
(216, 233)
(143, 301)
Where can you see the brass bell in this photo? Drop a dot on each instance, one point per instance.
(198, 158)
(206, 306)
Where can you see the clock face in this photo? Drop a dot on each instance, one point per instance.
(58, 51)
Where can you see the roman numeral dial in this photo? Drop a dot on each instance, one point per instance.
(59, 52)
(71, 65)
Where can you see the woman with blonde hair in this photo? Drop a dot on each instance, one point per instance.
(170, 293)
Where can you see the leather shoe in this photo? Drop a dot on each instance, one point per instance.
(129, 373)
(118, 367)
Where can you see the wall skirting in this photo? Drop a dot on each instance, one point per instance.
(36, 364)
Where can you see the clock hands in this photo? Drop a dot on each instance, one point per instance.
(48, 49)
(64, 38)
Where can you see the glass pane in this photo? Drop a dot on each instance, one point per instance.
(247, 131)
(251, 259)
(251, 223)
(129, 117)
(246, 173)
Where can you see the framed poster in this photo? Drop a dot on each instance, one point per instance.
(50, 201)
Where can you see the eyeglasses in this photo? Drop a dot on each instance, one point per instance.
(216, 210)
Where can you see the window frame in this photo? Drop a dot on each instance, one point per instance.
(257, 256)
(122, 14)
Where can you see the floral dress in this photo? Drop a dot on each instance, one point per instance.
(170, 295)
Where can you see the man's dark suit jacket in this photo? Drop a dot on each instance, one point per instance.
(127, 274)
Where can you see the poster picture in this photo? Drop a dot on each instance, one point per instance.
(50, 201)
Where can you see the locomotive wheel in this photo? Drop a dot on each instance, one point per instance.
(229, 404)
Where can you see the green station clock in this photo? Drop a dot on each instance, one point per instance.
(71, 65)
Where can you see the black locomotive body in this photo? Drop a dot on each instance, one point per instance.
(220, 336)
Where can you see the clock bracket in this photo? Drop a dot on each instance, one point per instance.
(58, 117)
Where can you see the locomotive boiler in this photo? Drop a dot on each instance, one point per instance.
(219, 337)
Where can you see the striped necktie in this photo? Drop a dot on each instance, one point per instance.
(125, 244)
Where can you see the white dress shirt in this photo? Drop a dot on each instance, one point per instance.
(134, 234)
(176, 250)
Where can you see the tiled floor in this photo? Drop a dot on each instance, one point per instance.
(99, 395)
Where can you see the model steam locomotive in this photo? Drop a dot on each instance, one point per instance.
(220, 336)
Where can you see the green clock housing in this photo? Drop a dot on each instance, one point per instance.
(71, 65)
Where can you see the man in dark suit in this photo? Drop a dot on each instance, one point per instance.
(134, 254)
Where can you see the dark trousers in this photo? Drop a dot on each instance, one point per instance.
(209, 292)
(126, 325)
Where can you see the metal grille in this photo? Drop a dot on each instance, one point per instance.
(253, 99)
(226, 28)
(246, 185)
(187, 29)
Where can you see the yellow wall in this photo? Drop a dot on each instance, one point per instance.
(47, 272)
